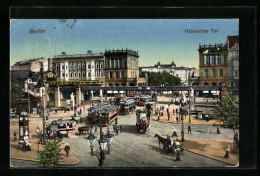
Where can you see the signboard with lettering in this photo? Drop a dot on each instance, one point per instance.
(68, 102)
(54, 127)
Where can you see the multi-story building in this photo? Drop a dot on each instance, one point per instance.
(170, 68)
(213, 64)
(75, 67)
(181, 72)
(193, 76)
(121, 68)
(233, 62)
(32, 65)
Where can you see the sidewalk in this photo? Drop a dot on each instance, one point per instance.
(210, 148)
(16, 153)
(164, 118)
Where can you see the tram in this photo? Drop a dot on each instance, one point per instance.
(144, 99)
(93, 112)
(127, 106)
(142, 121)
(109, 114)
(74, 83)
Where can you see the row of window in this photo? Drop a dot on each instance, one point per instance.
(116, 63)
(79, 66)
(212, 59)
(213, 73)
(116, 75)
(133, 74)
(97, 74)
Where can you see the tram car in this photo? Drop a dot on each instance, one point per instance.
(118, 98)
(62, 127)
(142, 121)
(143, 99)
(93, 112)
(109, 114)
(127, 106)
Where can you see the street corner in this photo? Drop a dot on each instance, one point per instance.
(71, 159)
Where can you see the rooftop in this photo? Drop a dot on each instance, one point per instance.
(89, 54)
(232, 40)
(213, 46)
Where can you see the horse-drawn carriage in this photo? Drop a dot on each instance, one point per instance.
(84, 129)
(142, 121)
(127, 106)
(170, 146)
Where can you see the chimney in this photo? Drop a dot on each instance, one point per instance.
(49, 64)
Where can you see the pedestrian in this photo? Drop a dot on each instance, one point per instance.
(176, 111)
(28, 145)
(40, 136)
(227, 152)
(80, 120)
(120, 128)
(174, 133)
(158, 118)
(67, 149)
(167, 110)
(114, 127)
(116, 120)
(173, 111)
(80, 111)
(178, 154)
(130, 113)
(95, 130)
(168, 139)
(116, 130)
(56, 111)
(177, 119)
(168, 116)
(15, 138)
(218, 132)
(189, 128)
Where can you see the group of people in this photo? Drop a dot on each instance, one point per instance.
(117, 128)
(174, 133)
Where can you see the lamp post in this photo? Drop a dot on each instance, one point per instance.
(182, 128)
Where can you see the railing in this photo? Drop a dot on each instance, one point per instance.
(213, 46)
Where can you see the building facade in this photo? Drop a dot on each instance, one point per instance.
(233, 62)
(77, 67)
(213, 62)
(121, 67)
(32, 65)
(193, 76)
(170, 68)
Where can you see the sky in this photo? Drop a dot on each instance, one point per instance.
(163, 40)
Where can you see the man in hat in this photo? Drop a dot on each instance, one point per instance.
(227, 152)
(189, 128)
(174, 132)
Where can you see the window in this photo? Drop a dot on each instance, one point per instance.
(79, 65)
(116, 74)
(132, 63)
(70, 66)
(112, 63)
(62, 67)
(42, 90)
(101, 74)
(83, 65)
(122, 74)
(97, 74)
(235, 73)
(101, 66)
(57, 66)
(207, 60)
(89, 66)
(218, 59)
(75, 66)
(37, 91)
(212, 72)
(63, 75)
(89, 75)
(213, 59)
(66, 67)
(83, 74)
(97, 66)
(75, 74)
(116, 63)
(220, 72)
(79, 74)
(206, 73)
(66, 75)
(71, 74)
(110, 75)
(120, 63)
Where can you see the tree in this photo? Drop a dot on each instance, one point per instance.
(50, 156)
(228, 110)
(16, 91)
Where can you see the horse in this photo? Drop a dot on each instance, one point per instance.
(160, 139)
(85, 128)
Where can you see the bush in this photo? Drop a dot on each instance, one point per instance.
(50, 156)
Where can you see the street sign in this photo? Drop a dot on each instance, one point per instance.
(54, 127)
(68, 102)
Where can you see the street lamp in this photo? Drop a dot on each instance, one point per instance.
(182, 128)
(91, 140)
(102, 143)
(109, 138)
(37, 130)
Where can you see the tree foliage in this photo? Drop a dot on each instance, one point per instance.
(50, 156)
(228, 111)
(158, 79)
(16, 91)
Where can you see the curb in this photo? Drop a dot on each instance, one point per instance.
(210, 158)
